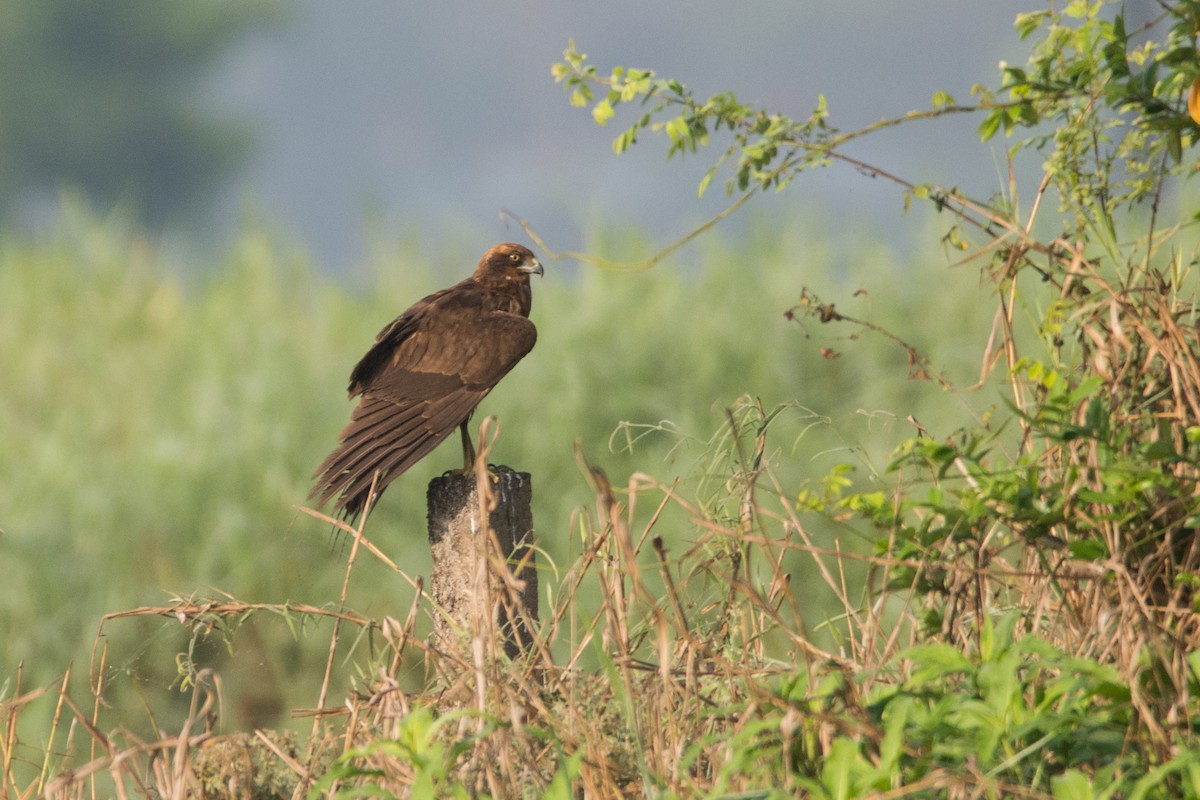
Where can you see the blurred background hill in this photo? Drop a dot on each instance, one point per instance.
(336, 121)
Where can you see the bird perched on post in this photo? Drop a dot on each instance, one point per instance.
(426, 373)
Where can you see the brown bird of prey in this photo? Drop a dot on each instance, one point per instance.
(426, 373)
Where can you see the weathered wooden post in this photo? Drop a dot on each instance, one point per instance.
(463, 580)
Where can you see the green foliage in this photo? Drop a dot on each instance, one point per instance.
(418, 745)
(1046, 552)
(768, 149)
(1112, 97)
(1019, 715)
(430, 747)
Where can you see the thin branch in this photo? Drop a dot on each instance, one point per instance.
(626, 266)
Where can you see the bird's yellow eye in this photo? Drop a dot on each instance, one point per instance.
(514, 257)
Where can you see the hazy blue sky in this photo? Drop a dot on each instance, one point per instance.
(437, 115)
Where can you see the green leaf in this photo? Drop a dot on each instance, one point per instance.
(1028, 22)
(891, 748)
(602, 112)
(1088, 549)
(837, 772)
(564, 778)
(677, 129)
(942, 99)
(1175, 144)
(622, 142)
(933, 661)
(1161, 450)
(1072, 785)
(1079, 9)
(573, 56)
(991, 124)
(581, 96)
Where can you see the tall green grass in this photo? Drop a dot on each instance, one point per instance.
(159, 421)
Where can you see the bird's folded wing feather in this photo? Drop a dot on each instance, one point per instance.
(424, 376)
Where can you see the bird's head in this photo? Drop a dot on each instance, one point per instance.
(509, 261)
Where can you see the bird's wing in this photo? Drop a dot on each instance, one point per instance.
(391, 340)
(424, 376)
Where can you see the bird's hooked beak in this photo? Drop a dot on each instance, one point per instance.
(531, 267)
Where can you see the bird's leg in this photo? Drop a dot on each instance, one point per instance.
(468, 448)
